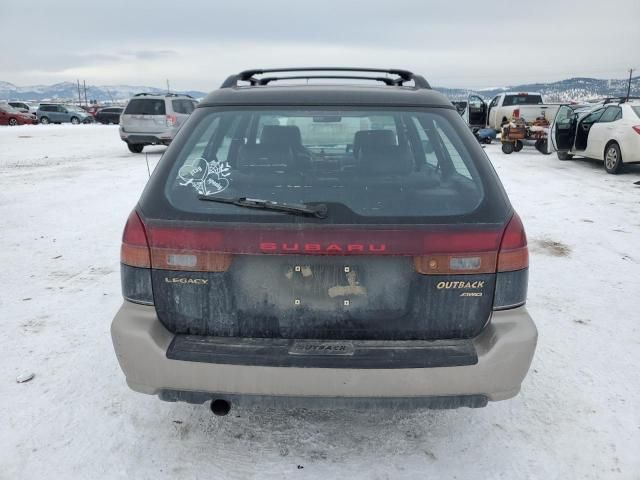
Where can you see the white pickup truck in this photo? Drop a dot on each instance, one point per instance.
(530, 105)
(500, 109)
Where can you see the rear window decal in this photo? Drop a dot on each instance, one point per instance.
(207, 178)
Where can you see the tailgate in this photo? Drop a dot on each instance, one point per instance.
(362, 296)
(144, 123)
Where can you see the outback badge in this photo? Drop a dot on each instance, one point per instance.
(315, 347)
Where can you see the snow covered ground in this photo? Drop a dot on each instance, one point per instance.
(65, 192)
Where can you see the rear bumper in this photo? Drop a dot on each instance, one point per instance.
(147, 139)
(504, 351)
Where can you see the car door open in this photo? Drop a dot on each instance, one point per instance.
(563, 129)
(477, 111)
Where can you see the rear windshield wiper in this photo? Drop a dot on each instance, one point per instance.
(318, 211)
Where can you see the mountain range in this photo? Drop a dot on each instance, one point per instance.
(572, 89)
(576, 89)
(68, 91)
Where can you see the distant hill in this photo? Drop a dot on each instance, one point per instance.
(68, 91)
(572, 89)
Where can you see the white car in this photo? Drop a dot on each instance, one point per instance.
(610, 132)
(24, 107)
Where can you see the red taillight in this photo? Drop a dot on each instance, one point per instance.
(513, 254)
(636, 128)
(437, 250)
(135, 248)
(459, 253)
(171, 120)
(326, 241)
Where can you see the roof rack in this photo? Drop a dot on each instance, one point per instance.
(177, 95)
(168, 94)
(402, 76)
(618, 99)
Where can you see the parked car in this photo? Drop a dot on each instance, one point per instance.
(12, 116)
(474, 112)
(24, 107)
(153, 119)
(530, 106)
(324, 245)
(609, 132)
(58, 113)
(109, 115)
(84, 110)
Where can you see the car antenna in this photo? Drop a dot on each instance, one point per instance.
(146, 157)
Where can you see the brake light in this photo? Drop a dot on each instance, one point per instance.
(513, 273)
(135, 271)
(636, 128)
(171, 120)
(516, 113)
(514, 254)
(135, 248)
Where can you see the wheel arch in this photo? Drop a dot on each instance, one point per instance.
(608, 144)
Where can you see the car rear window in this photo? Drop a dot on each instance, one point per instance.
(183, 106)
(372, 163)
(145, 106)
(522, 99)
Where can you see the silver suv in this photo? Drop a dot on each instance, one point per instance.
(152, 119)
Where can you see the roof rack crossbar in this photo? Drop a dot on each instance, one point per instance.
(622, 99)
(249, 75)
(385, 80)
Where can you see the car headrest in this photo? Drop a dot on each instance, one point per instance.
(372, 139)
(280, 135)
(379, 154)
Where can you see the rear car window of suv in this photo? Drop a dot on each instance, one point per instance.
(183, 106)
(145, 106)
(510, 100)
(386, 163)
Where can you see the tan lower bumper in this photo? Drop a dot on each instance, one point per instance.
(505, 349)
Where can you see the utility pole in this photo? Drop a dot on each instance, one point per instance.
(84, 82)
(629, 85)
(79, 97)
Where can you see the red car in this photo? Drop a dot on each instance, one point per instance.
(12, 116)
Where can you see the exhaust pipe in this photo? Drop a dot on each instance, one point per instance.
(220, 407)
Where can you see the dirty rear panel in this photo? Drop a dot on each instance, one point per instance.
(358, 298)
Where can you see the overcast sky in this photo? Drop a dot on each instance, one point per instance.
(196, 43)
